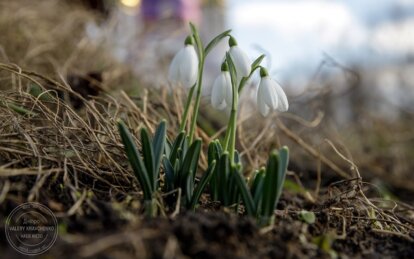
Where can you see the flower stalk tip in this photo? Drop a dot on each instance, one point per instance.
(232, 41)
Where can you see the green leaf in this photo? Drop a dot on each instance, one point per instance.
(135, 160)
(215, 152)
(168, 147)
(255, 65)
(215, 41)
(307, 216)
(237, 159)
(232, 69)
(197, 39)
(270, 185)
(158, 145)
(191, 158)
(36, 91)
(189, 187)
(233, 190)
(283, 164)
(184, 148)
(212, 153)
(176, 146)
(223, 174)
(293, 187)
(245, 193)
(202, 184)
(257, 62)
(257, 189)
(148, 154)
(189, 167)
(219, 147)
(16, 108)
(169, 174)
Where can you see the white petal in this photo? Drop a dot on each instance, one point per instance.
(241, 61)
(263, 108)
(218, 92)
(268, 92)
(283, 104)
(184, 67)
(173, 70)
(228, 89)
(189, 67)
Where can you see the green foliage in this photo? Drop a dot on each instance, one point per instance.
(264, 193)
(180, 167)
(146, 169)
(228, 184)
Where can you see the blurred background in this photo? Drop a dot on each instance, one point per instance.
(347, 66)
(350, 42)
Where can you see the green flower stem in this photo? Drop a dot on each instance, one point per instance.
(227, 137)
(187, 108)
(233, 123)
(198, 97)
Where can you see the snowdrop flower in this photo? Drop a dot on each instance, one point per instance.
(241, 61)
(270, 96)
(221, 94)
(184, 66)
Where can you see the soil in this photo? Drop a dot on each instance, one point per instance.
(213, 232)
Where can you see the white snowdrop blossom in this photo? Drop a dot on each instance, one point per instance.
(184, 66)
(270, 96)
(221, 94)
(240, 59)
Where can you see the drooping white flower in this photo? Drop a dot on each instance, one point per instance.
(221, 94)
(240, 59)
(184, 66)
(270, 96)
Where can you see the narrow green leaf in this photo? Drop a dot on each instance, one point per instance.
(158, 146)
(257, 62)
(191, 158)
(255, 65)
(169, 175)
(189, 187)
(148, 155)
(212, 152)
(270, 185)
(215, 41)
(184, 148)
(189, 169)
(215, 154)
(257, 189)
(223, 174)
(214, 184)
(197, 39)
(16, 108)
(282, 169)
(176, 146)
(233, 189)
(135, 160)
(219, 147)
(202, 184)
(232, 69)
(245, 193)
(237, 159)
(168, 147)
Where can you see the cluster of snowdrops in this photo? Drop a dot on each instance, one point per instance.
(170, 166)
